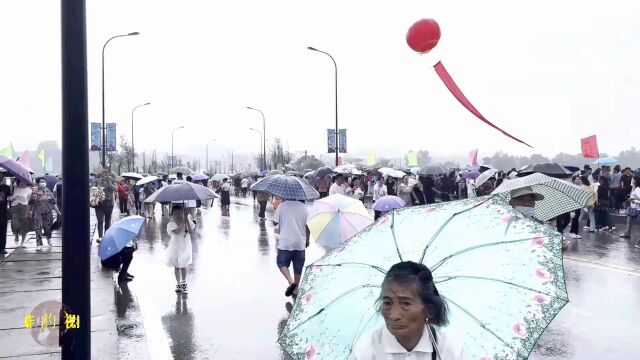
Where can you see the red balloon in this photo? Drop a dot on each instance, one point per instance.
(423, 35)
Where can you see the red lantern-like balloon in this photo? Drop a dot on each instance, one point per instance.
(423, 35)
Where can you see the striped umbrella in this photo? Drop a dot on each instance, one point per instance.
(560, 196)
(286, 187)
(336, 218)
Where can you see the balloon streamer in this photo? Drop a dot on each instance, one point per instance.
(457, 93)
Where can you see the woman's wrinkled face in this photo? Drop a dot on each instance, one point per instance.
(402, 310)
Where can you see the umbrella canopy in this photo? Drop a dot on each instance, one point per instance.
(181, 191)
(483, 168)
(118, 235)
(275, 172)
(560, 196)
(132, 175)
(500, 273)
(336, 218)
(199, 177)
(294, 173)
(607, 161)
(181, 169)
(471, 175)
(51, 181)
(309, 174)
(286, 187)
(549, 168)
(16, 169)
(388, 203)
(571, 167)
(324, 171)
(485, 176)
(147, 179)
(431, 170)
(220, 177)
(414, 170)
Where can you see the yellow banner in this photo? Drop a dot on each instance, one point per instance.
(8, 151)
(412, 159)
(371, 159)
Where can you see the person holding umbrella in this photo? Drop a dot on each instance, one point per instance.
(5, 193)
(117, 246)
(105, 207)
(225, 196)
(43, 203)
(179, 251)
(21, 222)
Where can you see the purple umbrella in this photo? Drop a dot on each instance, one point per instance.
(15, 169)
(388, 203)
(471, 175)
(200, 177)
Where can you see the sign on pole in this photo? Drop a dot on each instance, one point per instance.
(342, 141)
(111, 137)
(331, 140)
(95, 137)
(590, 147)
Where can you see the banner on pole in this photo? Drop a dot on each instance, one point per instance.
(8, 151)
(371, 159)
(48, 166)
(589, 147)
(111, 137)
(95, 137)
(342, 140)
(41, 157)
(473, 158)
(412, 159)
(331, 140)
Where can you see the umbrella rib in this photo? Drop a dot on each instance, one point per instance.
(424, 252)
(353, 263)
(393, 233)
(439, 263)
(448, 278)
(344, 294)
(357, 336)
(481, 324)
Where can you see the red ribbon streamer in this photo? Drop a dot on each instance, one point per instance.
(457, 93)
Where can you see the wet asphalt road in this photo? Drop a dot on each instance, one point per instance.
(236, 306)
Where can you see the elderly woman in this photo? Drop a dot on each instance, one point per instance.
(21, 222)
(43, 203)
(413, 313)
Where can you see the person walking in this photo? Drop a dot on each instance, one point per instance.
(616, 189)
(337, 187)
(105, 207)
(291, 220)
(21, 222)
(262, 198)
(390, 183)
(43, 204)
(575, 215)
(179, 251)
(148, 189)
(429, 189)
(322, 185)
(5, 193)
(137, 203)
(244, 185)
(123, 197)
(404, 191)
(633, 212)
(379, 189)
(602, 206)
(588, 210)
(225, 196)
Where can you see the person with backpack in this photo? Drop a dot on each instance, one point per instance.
(104, 208)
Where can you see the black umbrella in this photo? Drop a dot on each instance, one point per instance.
(549, 168)
(432, 170)
(324, 171)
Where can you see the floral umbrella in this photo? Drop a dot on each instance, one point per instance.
(500, 273)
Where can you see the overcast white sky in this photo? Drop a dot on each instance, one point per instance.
(550, 72)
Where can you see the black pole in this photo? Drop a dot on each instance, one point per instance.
(264, 141)
(76, 293)
(133, 149)
(337, 135)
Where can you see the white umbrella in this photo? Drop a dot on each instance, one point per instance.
(485, 176)
(220, 177)
(132, 175)
(147, 179)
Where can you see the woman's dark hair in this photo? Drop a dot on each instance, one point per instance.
(41, 178)
(419, 277)
(585, 180)
(596, 173)
(603, 180)
(176, 207)
(617, 168)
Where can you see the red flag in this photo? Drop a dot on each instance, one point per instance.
(590, 147)
(473, 158)
(457, 93)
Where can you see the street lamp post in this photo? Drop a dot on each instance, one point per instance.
(263, 162)
(264, 138)
(104, 130)
(207, 157)
(133, 149)
(336, 93)
(173, 160)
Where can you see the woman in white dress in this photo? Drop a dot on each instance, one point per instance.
(179, 253)
(414, 316)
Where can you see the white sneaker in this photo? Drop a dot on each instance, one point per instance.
(613, 228)
(39, 248)
(49, 242)
(184, 287)
(585, 228)
(573, 236)
(178, 288)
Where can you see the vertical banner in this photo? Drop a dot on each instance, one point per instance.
(95, 137)
(371, 159)
(590, 147)
(412, 159)
(41, 157)
(8, 151)
(48, 165)
(342, 140)
(111, 137)
(473, 158)
(331, 140)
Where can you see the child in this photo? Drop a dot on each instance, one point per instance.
(179, 253)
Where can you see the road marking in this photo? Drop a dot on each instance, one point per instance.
(157, 341)
(604, 266)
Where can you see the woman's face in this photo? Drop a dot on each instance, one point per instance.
(405, 180)
(178, 216)
(577, 181)
(402, 310)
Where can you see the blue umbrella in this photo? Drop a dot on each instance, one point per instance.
(606, 161)
(286, 187)
(181, 191)
(118, 235)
